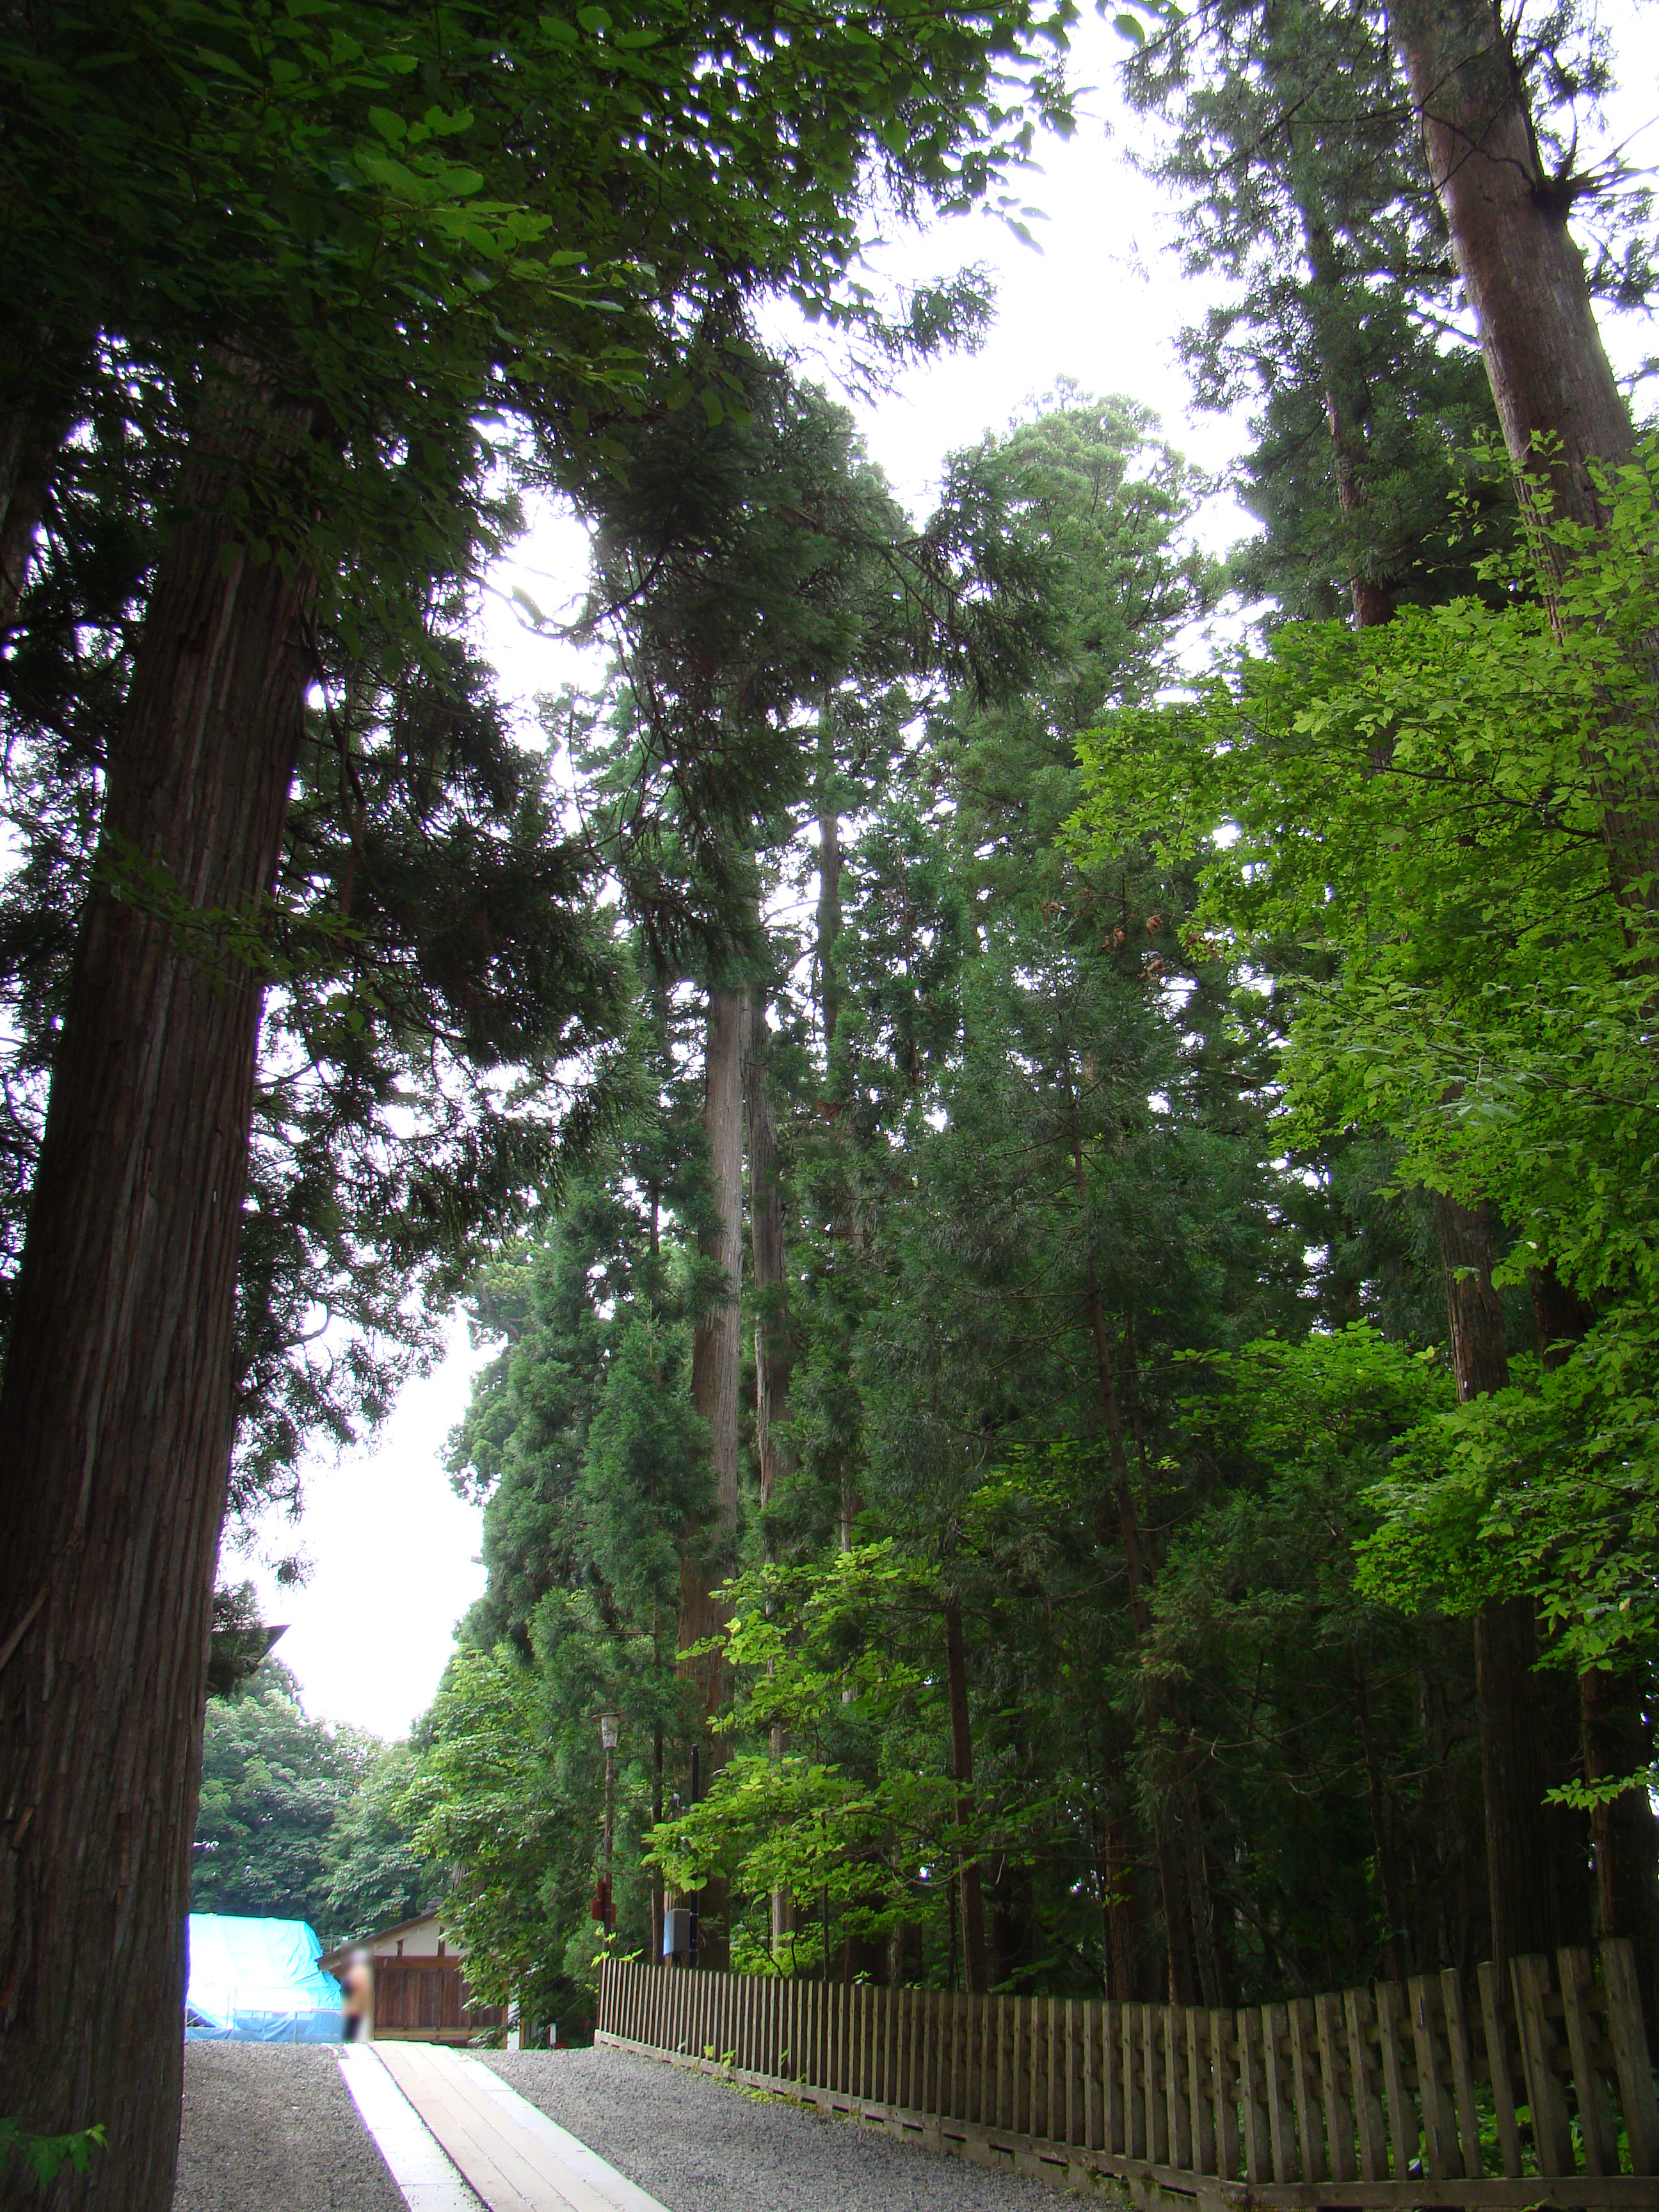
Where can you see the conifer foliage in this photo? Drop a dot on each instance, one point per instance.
(291, 292)
(1067, 1226)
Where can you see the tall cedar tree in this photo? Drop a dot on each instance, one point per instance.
(329, 329)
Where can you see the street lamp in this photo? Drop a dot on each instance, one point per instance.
(609, 1729)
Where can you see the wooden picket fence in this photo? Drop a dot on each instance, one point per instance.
(1424, 2095)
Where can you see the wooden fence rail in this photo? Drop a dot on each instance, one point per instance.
(1428, 2094)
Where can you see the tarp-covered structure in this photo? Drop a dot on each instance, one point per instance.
(258, 1981)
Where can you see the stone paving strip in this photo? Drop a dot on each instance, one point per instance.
(513, 2155)
(427, 2179)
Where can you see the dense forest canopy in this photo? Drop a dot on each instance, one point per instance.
(1065, 1229)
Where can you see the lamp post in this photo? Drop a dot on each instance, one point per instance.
(609, 1729)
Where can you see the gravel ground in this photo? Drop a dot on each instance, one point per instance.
(701, 2147)
(270, 2127)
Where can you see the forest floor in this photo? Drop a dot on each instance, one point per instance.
(270, 2127)
(702, 2147)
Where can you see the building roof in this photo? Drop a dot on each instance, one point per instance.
(343, 1951)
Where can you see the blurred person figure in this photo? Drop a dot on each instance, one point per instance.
(357, 2002)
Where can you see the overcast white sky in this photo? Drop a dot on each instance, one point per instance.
(393, 1548)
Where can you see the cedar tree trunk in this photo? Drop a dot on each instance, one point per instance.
(1171, 1883)
(829, 925)
(1618, 1741)
(1509, 1706)
(1550, 376)
(40, 382)
(1556, 398)
(1614, 1722)
(976, 1975)
(117, 1408)
(716, 1357)
(774, 1351)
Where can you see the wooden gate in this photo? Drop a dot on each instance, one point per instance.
(1431, 2094)
(425, 2001)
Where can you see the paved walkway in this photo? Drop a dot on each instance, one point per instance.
(699, 2145)
(513, 2157)
(411, 2128)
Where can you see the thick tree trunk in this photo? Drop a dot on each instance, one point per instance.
(1122, 1880)
(829, 925)
(716, 1360)
(1551, 378)
(1396, 1947)
(116, 1413)
(976, 1978)
(657, 1897)
(39, 385)
(1373, 602)
(1618, 1741)
(1171, 1885)
(1509, 1706)
(829, 916)
(1614, 1720)
(775, 1350)
(1556, 398)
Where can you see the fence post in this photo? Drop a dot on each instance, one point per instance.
(1627, 2032)
(1552, 2138)
(1224, 2077)
(1174, 2025)
(1129, 2056)
(1253, 2087)
(1500, 2065)
(1303, 2061)
(1339, 2112)
(1440, 2158)
(1158, 2097)
(1402, 2119)
(1201, 2098)
(1367, 2107)
(1099, 2076)
(1462, 2068)
(1579, 1992)
(1281, 2127)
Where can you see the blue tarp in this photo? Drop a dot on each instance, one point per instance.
(258, 1981)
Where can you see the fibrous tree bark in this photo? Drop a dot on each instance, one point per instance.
(1510, 1709)
(1556, 398)
(1396, 1943)
(116, 1413)
(1615, 1724)
(1617, 1745)
(829, 925)
(716, 1361)
(1172, 1891)
(39, 385)
(1172, 1888)
(970, 1885)
(774, 1351)
(1551, 381)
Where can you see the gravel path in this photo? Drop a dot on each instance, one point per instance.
(701, 2147)
(270, 2127)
